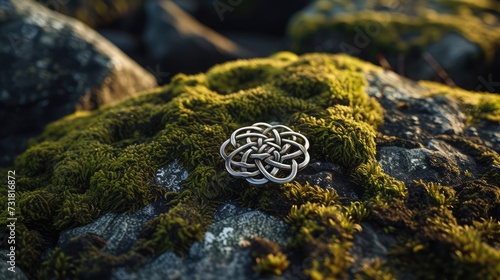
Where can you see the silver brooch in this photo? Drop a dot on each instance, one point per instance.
(262, 152)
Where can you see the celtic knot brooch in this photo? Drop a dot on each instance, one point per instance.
(263, 152)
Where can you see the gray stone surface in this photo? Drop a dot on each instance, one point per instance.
(438, 162)
(220, 255)
(120, 231)
(368, 245)
(409, 113)
(7, 274)
(53, 65)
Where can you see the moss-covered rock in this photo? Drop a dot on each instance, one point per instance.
(92, 163)
(405, 33)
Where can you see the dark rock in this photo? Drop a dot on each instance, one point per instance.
(125, 41)
(179, 42)
(18, 273)
(55, 65)
(119, 231)
(439, 162)
(412, 116)
(257, 16)
(329, 176)
(258, 44)
(369, 244)
(220, 255)
(399, 35)
(94, 13)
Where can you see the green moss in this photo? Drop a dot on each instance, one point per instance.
(268, 257)
(450, 251)
(377, 184)
(378, 270)
(89, 164)
(402, 26)
(479, 106)
(325, 233)
(487, 159)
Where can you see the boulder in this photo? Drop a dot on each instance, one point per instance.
(176, 40)
(54, 65)
(139, 189)
(418, 39)
(94, 13)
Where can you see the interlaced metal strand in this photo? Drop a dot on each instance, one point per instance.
(264, 152)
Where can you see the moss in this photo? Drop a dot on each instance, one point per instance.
(475, 201)
(82, 258)
(89, 164)
(177, 229)
(378, 270)
(487, 159)
(271, 264)
(434, 229)
(450, 251)
(479, 106)
(376, 183)
(268, 257)
(410, 24)
(325, 233)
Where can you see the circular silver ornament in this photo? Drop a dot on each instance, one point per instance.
(263, 152)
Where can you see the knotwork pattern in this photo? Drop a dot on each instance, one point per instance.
(263, 152)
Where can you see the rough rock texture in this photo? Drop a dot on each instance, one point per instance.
(441, 220)
(53, 65)
(416, 38)
(219, 255)
(439, 162)
(172, 35)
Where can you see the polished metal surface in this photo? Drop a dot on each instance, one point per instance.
(262, 152)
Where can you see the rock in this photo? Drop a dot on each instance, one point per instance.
(373, 186)
(181, 43)
(399, 34)
(120, 231)
(123, 40)
(329, 176)
(220, 255)
(94, 14)
(259, 45)
(56, 65)
(17, 274)
(369, 245)
(439, 162)
(257, 17)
